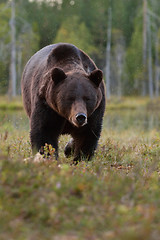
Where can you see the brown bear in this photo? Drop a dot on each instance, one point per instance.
(63, 93)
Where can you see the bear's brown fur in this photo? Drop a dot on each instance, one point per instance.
(63, 93)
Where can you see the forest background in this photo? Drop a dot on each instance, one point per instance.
(122, 37)
(117, 194)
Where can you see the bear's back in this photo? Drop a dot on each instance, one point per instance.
(65, 53)
(53, 55)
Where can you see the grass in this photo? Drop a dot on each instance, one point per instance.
(128, 103)
(115, 196)
(10, 104)
(113, 104)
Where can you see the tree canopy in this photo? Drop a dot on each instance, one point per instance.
(85, 24)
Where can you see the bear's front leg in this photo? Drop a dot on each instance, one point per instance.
(85, 146)
(39, 138)
(46, 127)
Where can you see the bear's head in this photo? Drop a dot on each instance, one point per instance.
(75, 95)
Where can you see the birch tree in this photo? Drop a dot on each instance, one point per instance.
(118, 57)
(120, 63)
(157, 64)
(150, 71)
(13, 50)
(108, 53)
(144, 47)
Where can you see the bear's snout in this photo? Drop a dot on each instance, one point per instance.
(81, 119)
(79, 114)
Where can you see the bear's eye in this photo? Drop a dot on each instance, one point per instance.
(71, 99)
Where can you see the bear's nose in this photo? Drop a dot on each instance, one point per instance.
(81, 119)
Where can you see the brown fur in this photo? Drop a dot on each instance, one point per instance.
(63, 93)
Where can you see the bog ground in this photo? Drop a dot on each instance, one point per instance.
(115, 196)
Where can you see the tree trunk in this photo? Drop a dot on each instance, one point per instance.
(119, 71)
(157, 67)
(144, 47)
(150, 72)
(13, 50)
(108, 53)
(19, 68)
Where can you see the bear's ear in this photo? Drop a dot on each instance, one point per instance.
(58, 75)
(96, 77)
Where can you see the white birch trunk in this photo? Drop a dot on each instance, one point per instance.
(119, 72)
(144, 47)
(150, 72)
(19, 68)
(13, 50)
(108, 54)
(157, 67)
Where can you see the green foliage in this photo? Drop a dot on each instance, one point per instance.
(4, 45)
(124, 13)
(83, 23)
(45, 17)
(74, 31)
(134, 67)
(27, 41)
(4, 20)
(3, 77)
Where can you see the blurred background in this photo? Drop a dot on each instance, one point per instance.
(121, 36)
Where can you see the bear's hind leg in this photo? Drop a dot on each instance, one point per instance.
(69, 148)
